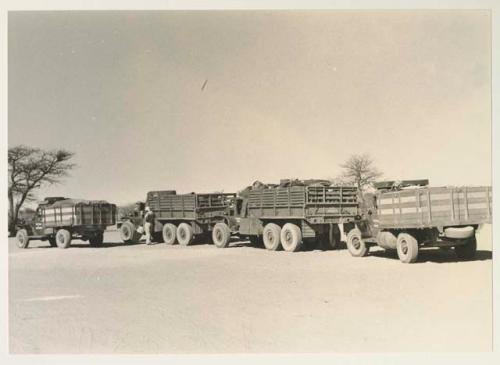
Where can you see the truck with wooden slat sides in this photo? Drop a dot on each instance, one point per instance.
(285, 216)
(412, 216)
(59, 220)
(180, 218)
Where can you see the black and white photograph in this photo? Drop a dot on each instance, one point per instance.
(235, 179)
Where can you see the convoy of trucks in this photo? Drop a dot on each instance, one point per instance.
(405, 216)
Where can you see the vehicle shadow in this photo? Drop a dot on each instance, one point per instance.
(82, 244)
(437, 256)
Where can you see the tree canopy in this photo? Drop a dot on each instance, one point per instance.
(29, 169)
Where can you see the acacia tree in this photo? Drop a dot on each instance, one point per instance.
(360, 171)
(29, 169)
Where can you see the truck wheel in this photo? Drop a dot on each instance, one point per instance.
(169, 232)
(467, 251)
(272, 237)
(185, 234)
(221, 235)
(96, 239)
(128, 233)
(291, 237)
(407, 247)
(355, 244)
(63, 238)
(22, 238)
(52, 241)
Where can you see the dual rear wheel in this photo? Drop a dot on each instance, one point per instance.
(182, 234)
(288, 237)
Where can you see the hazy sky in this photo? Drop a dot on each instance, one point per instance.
(289, 94)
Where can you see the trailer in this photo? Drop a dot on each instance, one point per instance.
(285, 216)
(59, 220)
(408, 219)
(180, 218)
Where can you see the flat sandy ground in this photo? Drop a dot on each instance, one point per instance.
(171, 299)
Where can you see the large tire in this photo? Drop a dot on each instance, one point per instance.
(407, 247)
(63, 238)
(468, 251)
(52, 241)
(355, 244)
(128, 233)
(272, 237)
(96, 239)
(185, 234)
(169, 234)
(221, 235)
(291, 237)
(22, 238)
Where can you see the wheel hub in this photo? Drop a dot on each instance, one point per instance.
(356, 243)
(404, 247)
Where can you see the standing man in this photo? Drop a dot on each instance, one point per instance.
(149, 219)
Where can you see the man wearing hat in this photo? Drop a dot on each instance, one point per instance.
(149, 219)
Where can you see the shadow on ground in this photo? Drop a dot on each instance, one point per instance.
(82, 244)
(438, 256)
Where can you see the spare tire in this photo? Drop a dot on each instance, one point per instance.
(459, 232)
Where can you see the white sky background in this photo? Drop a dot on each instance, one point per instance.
(289, 94)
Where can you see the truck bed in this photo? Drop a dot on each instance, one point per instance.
(79, 214)
(434, 207)
(168, 205)
(303, 202)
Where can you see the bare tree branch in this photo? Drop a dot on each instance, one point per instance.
(29, 169)
(359, 170)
